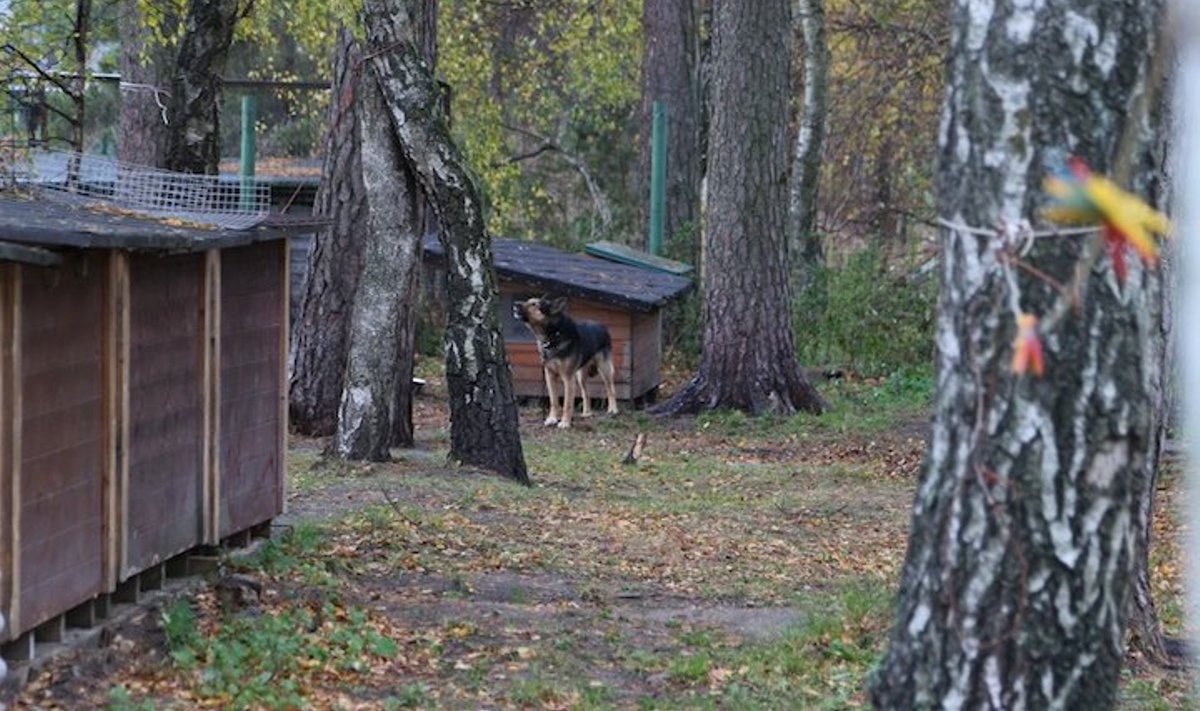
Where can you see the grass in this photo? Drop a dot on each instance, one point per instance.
(603, 586)
(266, 660)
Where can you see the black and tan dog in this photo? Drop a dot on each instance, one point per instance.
(571, 351)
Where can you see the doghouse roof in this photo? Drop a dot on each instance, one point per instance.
(27, 225)
(553, 271)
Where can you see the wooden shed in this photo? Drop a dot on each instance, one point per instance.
(142, 402)
(626, 298)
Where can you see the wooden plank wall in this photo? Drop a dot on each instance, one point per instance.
(142, 412)
(59, 490)
(164, 487)
(252, 347)
(647, 353)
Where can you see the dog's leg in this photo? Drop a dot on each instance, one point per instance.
(587, 403)
(608, 374)
(552, 418)
(568, 404)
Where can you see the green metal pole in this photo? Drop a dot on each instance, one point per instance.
(658, 177)
(248, 148)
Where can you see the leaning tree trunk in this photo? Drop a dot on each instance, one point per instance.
(194, 141)
(805, 243)
(321, 333)
(375, 363)
(748, 361)
(483, 412)
(671, 74)
(425, 24)
(376, 405)
(1022, 552)
(144, 94)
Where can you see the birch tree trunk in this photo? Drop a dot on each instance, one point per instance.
(1025, 526)
(748, 361)
(1145, 630)
(1146, 638)
(322, 330)
(194, 141)
(808, 254)
(390, 256)
(376, 404)
(483, 412)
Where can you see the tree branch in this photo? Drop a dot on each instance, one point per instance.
(41, 73)
(599, 202)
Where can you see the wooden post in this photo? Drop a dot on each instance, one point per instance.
(116, 413)
(212, 397)
(8, 343)
(285, 311)
(14, 413)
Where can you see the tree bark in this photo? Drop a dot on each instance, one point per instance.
(1146, 638)
(810, 142)
(483, 412)
(321, 333)
(83, 26)
(1022, 551)
(144, 88)
(377, 363)
(671, 74)
(193, 145)
(748, 361)
(376, 405)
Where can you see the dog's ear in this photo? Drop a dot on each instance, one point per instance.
(557, 305)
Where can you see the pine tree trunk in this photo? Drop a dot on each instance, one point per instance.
(671, 74)
(321, 332)
(749, 360)
(194, 142)
(806, 245)
(1022, 552)
(144, 86)
(483, 412)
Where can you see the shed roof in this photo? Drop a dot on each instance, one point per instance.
(47, 223)
(555, 271)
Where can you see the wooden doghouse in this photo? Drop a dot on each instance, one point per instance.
(142, 402)
(626, 298)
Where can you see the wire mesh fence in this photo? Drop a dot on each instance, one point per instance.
(229, 202)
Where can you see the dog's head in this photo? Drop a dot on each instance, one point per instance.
(539, 312)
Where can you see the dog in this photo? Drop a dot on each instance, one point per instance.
(570, 350)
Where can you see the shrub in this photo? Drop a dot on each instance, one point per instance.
(864, 318)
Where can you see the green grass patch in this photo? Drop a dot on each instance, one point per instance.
(1157, 692)
(296, 554)
(119, 699)
(819, 664)
(263, 660)
(304, 470)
